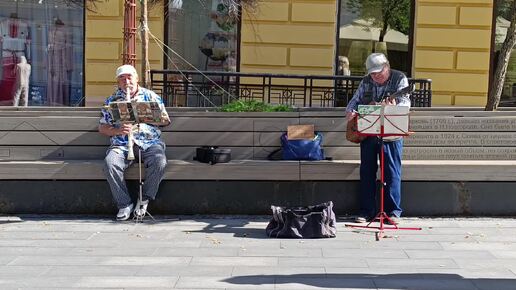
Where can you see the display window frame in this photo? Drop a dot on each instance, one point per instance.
(49, 25)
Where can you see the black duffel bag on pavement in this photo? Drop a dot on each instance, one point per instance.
(308, 222)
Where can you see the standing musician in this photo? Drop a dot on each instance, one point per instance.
(147, 138)
(380, 82)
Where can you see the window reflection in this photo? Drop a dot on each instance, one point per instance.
(368, 26)
(205, 34)
(48, 35)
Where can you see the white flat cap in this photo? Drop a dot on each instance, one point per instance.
(375, 62)
(126, 69)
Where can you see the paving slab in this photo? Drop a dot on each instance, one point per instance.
(230, 252)
(186, 271)
(279, 271)
(421, 254)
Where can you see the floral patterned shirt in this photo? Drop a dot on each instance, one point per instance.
(147, 134)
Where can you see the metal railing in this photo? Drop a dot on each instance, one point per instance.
(213, 89)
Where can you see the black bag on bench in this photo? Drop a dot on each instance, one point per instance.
(212, 155)
(308, 222)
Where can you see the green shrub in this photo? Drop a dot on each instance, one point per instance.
(254, 106)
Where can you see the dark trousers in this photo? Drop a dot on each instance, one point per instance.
(369, 156)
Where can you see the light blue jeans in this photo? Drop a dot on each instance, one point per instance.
(154, 161)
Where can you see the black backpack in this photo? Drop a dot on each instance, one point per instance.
(212, 155)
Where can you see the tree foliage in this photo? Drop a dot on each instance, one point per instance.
(503, 8)
(384, 14)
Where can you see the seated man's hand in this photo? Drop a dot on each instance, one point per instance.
(125, 129)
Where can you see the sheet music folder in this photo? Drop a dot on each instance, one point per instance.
(393, 119)
(135, 112)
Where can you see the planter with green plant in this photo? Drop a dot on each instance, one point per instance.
(254, 106)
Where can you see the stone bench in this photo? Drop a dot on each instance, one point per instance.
(458, 161)
(63, 143)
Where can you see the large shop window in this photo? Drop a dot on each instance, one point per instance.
(503, 16)
(204, 34)
(42, 53)
(368, 26)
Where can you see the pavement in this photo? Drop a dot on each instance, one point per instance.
(193, 252)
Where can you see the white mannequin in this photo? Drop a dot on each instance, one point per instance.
(21, 93)
(343, 68)
(15, 42)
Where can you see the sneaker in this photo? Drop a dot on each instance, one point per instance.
(393, 220)
(141, 208)
(124, 213)
(361, 219)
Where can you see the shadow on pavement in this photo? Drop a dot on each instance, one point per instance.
(235, 226)
(420, 281)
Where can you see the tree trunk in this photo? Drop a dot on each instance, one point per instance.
(383, 31)
(495, 91)
(145, 45)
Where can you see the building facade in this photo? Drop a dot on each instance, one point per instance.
(74, 51)
(453, 47)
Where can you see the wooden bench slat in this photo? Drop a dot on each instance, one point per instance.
(235, 170)
(329, 124)
(258, 153)
(463, 124)
(461, 139)
(176, 170)
(52, 138)
(274, 124)
(459, 153)
(416, 153)
(208, 138)
(99, 152)
(461, 112)
(466, 170)
(49, 123)
(94, 138)
(333, 124)
(494, 170)
(191, 124)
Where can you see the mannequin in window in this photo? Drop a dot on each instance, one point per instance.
(60, 64)
(343, 91)
(343, 67)
(21, 95)
(15, 42)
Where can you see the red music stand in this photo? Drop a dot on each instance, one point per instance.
(373, 124)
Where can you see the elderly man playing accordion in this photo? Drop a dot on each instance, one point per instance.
(146, 138)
